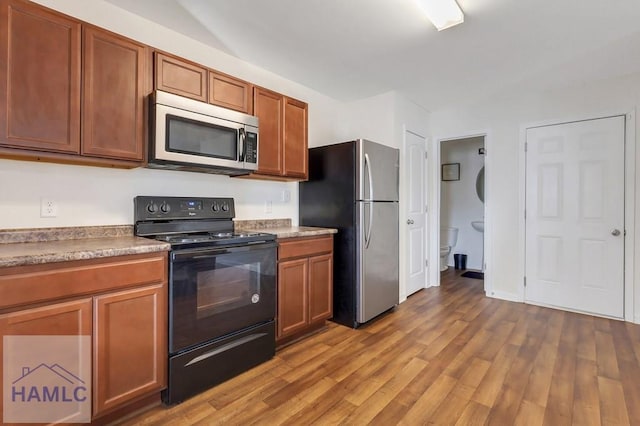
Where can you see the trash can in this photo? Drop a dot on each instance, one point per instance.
(460, 261)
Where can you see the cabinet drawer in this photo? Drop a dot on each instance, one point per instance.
(39, 283)
(304, 247)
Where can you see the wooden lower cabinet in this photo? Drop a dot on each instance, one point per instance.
(67, 318)
(130, 345)
(293, 296)
(320, 287)
(120, 302)
(305, 286)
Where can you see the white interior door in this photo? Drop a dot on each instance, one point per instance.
(416, 211)
(575, 216)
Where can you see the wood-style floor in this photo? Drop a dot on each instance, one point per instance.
(447, 355)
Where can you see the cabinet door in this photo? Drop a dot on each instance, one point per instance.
(69, 318)
(268, 107)
(293, 296)
(113, 96)
(39, 78)
(320, 287)
(180, 77)
(229, 92)
(130, 353)
(295, 139)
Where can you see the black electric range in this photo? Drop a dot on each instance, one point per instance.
(222, 290)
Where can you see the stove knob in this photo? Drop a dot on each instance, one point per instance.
(152, 208)
(216, 207)
(165, 208)
(225, 207)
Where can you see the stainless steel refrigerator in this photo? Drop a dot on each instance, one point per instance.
(353, 186)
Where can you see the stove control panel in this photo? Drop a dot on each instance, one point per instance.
(147, 208)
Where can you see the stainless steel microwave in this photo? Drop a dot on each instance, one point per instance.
(196, 136)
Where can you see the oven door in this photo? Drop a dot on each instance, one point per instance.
(215, 292)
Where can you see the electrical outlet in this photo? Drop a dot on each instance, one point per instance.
(48, 208)
(285, 196)
(268, 206)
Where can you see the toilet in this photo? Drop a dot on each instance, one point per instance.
(448, 239)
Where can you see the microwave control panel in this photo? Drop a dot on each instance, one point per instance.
(251, 148)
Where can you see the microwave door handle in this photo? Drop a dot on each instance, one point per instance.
(241, 144)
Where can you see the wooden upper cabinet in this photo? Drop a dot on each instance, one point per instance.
(229, 92)
(180, 77)
(39, 78)
(282, 143)
(114, 90)
(268, 107)
(295, 139)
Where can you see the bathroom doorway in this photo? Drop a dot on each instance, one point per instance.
(462, 205)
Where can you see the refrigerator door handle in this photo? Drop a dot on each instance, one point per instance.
(367, 166)
(367, 235)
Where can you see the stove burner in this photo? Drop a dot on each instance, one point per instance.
(222, 235)
(183, 238)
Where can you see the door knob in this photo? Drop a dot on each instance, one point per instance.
(409, 222)
(615, 232)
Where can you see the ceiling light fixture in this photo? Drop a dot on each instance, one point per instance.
(442, 13)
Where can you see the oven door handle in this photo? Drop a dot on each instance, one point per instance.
(182, 255)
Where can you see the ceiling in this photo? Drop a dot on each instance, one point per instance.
(352, 49)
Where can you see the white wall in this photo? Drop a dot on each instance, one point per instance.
(504, 120)
(103, 196)
(373, 118)
(100, 196)
(459, 202)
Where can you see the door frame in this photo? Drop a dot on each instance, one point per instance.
(632, 156)
(434, 219)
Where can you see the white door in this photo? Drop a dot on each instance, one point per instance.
(575, 216)
(416, 211)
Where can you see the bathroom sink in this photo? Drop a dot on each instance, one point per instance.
(478, 225)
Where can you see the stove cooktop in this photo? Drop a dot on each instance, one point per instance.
(215, 238)
(191, 222)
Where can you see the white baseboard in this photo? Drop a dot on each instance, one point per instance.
(503, 295)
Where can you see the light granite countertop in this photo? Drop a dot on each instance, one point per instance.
(49, 245)
(282, 228)
(21, 247)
